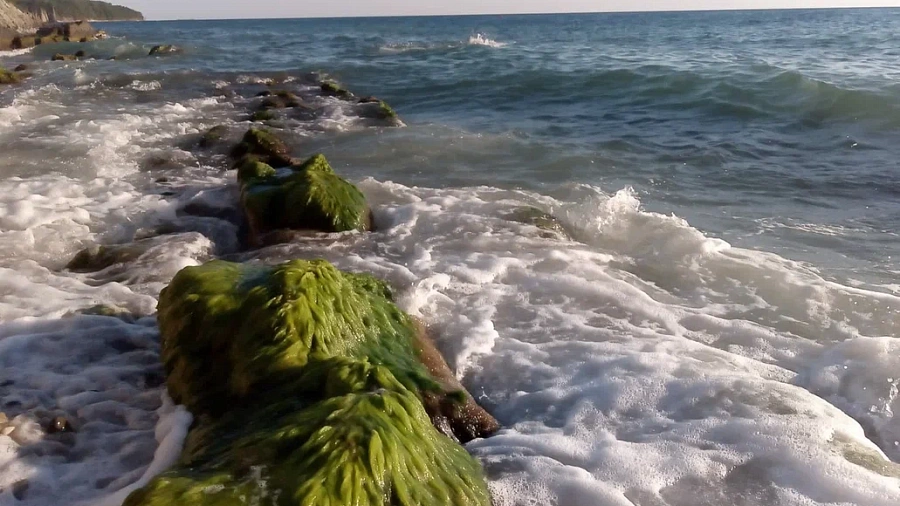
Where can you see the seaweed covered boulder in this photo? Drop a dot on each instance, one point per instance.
(307, 388)
(7, 77)
(308, 196)
(263, 145)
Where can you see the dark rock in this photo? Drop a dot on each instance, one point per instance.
(110, 311)
(21, 68)
(63, 57)
(264, 93)
(213, 136)
(368, 100)
(7, 36)
(59, 424)
(97, 258)
(19, 489)
(80, 53)
(164, 50)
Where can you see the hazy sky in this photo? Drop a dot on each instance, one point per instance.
(208, 9)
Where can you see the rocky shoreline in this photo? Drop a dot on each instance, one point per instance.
(345, 398)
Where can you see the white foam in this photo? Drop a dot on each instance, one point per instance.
(480, 39)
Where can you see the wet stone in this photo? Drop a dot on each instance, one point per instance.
(19, 489)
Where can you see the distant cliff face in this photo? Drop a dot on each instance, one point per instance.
(25, 15)
(14, 19)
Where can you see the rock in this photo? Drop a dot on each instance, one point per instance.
(213, 136)
(544, 221)
(19, 489)
(63, 57)
(264, 93)
(25, 41)
(369, 100)
(164, 50)
(96, 258)
(21, 68)
(59, 424)
(305, 378)
(264, 145)
(310, 197)
(262, 116)
(3, 418)
(7, 36)
(70, 30)
(7, 77)
(110, 311)
(80, 53)
(251, 168)
(331, 89)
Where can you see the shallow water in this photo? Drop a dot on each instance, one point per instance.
(717, 324)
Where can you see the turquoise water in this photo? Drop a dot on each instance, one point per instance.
(719, 323)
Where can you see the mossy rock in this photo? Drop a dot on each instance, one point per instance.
(251, 168)
(264, 145)
(305, 384)
(264, 115)
(332, 89)
(7, 77)
(311, 197)
(213, 136)
(545, 221)
(97, 257)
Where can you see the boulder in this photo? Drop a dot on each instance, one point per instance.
(309, 197)
(7, 77)
(63, 57)
(307, 379)
(164, 50)
(550, 226)
(264, 115)
(21, 68)
(264, 145)
(69, 31)
(332, 89)
(7, 36)
(213, 136)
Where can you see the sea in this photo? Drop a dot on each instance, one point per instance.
(712, 320)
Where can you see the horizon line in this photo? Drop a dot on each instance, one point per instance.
(535, 13)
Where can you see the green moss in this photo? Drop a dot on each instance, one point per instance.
(312, 197)
(305, 384)
(7, 77)
(251, 168)
(385, 111)
(332, 89)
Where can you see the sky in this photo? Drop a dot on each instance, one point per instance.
(218, 9)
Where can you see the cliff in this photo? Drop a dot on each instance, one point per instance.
(74, 10)
(26, 15)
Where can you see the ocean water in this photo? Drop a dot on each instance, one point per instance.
(715, 323)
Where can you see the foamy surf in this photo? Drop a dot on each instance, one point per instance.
(688, 356)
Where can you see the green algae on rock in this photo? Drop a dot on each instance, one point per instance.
(305, 383)
(310, 197)
(264, 145)
(545, 221)
(332, 89)
(213, 136)
(7, 77)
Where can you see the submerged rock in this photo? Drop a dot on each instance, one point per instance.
(305, 379)
(310, 197)
(21, 68)
(63, 57)
(548, 223)
(264, 115)
(164, 50)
